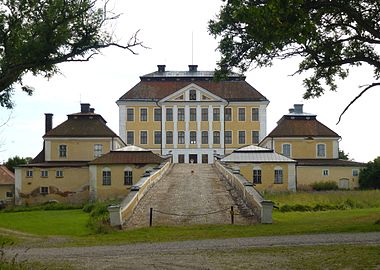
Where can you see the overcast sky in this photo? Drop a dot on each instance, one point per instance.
(166, 27)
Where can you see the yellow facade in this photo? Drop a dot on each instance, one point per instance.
(267, 174)
(306, 148)
(117, 189)
(72, 186)
(7, 190)
(77, 149)
(344, 177)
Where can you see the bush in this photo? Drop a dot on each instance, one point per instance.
(98, 222)
(45, 206)
(321, 186)
(370, 177)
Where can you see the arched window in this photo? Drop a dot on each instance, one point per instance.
(128, 176)
(106, 177)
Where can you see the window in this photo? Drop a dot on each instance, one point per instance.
(355, 172)
(130, 137)
(181, 137)
(29, 173)
(204, 137)
(181, 114)
(241, 137)
(181, 158)
(193, 137)
(59, 173)
(157, 137)
(325, 172)
(278, 177)
(128, 178)
(98, 150)
(321, 150)
(62, 151)
(216, 114)
(44, 190)
(241, 114)
(169, 137)
(44, 173)
(169, 114)
(255, 114)
(204, 114)
(157, 114)
(204, 158)
(257, 176)
(143, 115)
(216, 137)
(143, 137)
(228, 114)
(255, 137)
(106, 178)
(9, 194)
(228, 137)
(130, 114)
(193, 95)
(193, 114)
(286, 149)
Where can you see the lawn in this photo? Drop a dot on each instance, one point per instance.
(348, 199)
(72, 224)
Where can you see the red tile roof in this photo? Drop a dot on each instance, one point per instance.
(6, 176)
(229, 90)
(301, 127)
(128, 157)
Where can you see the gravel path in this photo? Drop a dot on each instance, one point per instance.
(187, 191)
(179, 255)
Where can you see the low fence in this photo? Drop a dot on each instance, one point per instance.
(120, 213)
(261, 207)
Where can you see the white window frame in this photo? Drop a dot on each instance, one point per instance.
(192, 141)
(157, 134)
(128, 176)
(255, 116)
(283, 149)
(278, 176)
(141, 132)
(317, 150)
(181, 137)
(169, 135)
(245, 116)
(62, 153)
(245, 136)
(157, 117)
(215, 114)
(259, 175)
(191, 96)
(169, 116)
(29, 173)
(44, 190)
(225, 137)
(144, 117)
(227, 119)
(204, 116)
(325, 172)
(355, 172)
(132, 115)
(193, 116)
(44, 173)
(98, 150)
(181, 114)
(133, 137)
(59, 173)
(204, 137)
(257, 135)
(216, 137)
(106, 177)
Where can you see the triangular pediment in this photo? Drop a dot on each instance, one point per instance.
(192, 92)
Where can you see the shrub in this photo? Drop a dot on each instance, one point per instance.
(98, 222)
(45, 206)
(320, 186)
(370, 177)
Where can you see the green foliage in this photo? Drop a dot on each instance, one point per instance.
(35, 36)
(98, 222)
(45, 206)
(16, 161)
(343, 155)
(369, 177)
(321, 186)
(327, 35)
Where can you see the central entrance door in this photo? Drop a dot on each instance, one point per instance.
(193, 158)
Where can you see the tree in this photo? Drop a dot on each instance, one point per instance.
(343, 155)
(329, 36)
(370, 176)
(36, 35)
(16, 161)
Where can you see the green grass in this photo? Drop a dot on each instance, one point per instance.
(72, 224)
(339, 199)
(52, 222)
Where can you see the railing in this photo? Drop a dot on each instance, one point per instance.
(261, 207)
(122, 212)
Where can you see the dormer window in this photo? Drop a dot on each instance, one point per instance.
(62, 151)
(192, 95)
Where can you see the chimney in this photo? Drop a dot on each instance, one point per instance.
(85, 107)
(161, 68)
(92, 110)
(298, 108)
(48, 122)
(193, 68)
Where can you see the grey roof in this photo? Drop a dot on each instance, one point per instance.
(132, 148)
(256, 154)
(187, 74)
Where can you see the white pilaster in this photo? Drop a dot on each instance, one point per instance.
(175, 127)
(48, 150)
(123, 122)
(221, 126)
(210, 119)
(187, 132)
(93, 182)
(18, 179)
(199, 126)
(263, 121)
(163, 132)
(335, 146)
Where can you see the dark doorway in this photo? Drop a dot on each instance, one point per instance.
(193, 158)
(204, 158)
(181, 158)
